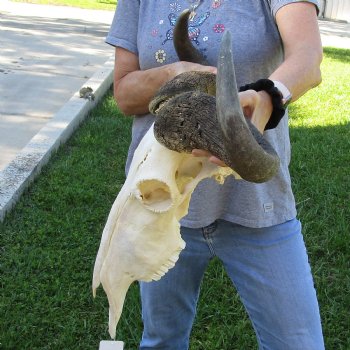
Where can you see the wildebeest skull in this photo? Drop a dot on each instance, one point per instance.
(141, 240)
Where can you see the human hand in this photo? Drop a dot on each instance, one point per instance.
(183, 66)
(256, 106)
(211, 158)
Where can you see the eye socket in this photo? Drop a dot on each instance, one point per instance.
(155, 195)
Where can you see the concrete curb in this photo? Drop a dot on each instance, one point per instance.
(22, 171)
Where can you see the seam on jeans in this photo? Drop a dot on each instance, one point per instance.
(207, 236)
(258, 335)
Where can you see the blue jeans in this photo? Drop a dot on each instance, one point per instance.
(269, 268)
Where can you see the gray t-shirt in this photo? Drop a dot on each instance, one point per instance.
(145, 27)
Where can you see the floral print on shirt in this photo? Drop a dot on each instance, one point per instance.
(194, 29)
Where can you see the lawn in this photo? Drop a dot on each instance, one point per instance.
(48, 243)
(109, 5)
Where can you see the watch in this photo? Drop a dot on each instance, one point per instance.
(285, 93)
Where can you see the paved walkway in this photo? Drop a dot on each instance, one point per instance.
(45, 58)
(336, 34)
(49, 52)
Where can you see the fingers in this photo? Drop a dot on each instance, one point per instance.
(257, 107)
(210, 69)
(199, 68)
(201, 153)
(183, 66)
(217, 161)
(248, 100)
(211, 158)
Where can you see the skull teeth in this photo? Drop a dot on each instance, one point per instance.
(157, 276)
(173, 259)
(165, 267)
(169, 265)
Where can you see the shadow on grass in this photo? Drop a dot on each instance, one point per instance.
(108, 2)
(341, 55)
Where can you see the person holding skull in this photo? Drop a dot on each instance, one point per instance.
(251, 227)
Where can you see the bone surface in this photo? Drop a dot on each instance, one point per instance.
(141, 240)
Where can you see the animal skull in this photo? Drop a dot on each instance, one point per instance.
(141, 239)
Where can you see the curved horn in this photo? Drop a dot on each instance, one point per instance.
(182, 43)
(250, 154)
(189, 116)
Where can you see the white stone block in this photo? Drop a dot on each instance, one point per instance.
(111, 345)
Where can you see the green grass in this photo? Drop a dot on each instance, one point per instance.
(48, 243)
(320, 134)
(109, 5)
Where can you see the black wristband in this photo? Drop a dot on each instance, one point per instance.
(276, 98)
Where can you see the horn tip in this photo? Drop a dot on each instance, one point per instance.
(185, 13)
(226, 36)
